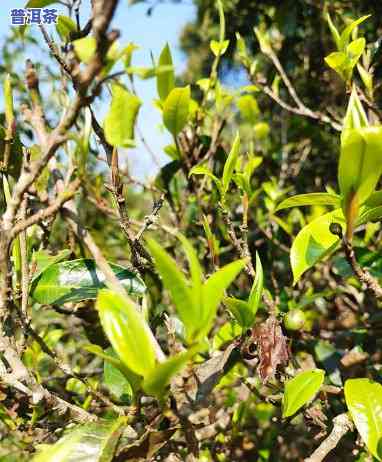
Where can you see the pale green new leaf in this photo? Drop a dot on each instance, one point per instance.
(111, 357)
(257, 288)
(301, 200)
(248, 108)
(65, 25)
(39, 3)
(314, 242)
(116, 382)
(370, 214)
(339, 62)
(93, 442)
(176, 110)
(213, 291)
(367, 78)
(345, 34)
(334, 32)
(355, 116)
(360, 164)
(165, 80)
(156, 382)
(178, 287)
(230, 163)
(219, 48)
(120, 120)
(127, 331)
(240, 310)
(195, 270)
(364, 400)
(300, 390)
(85, 48)
(202, 170)
(355, 50)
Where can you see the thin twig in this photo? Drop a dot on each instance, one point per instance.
(363, 275)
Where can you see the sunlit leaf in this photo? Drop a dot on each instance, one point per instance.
(214, 288)
(300, 390)
(65, 26)
(85, 48)
(219, 48)
(93, 442)
(314, 242)
(257, 289)
(178, 287)
(176, 110)
(75, 280)
(345, 34)
(127, 331)
(165, 80)
(230, 163)
(119, 123)
(301, 200)
(364, 400)
(156, 382)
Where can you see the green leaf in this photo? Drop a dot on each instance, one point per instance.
(93, 442)
(257, 289)
(261, 130)
(338, 61)
(355, 114)
(165, 80)
(39, 3)
(178, 287)
(360, 166)
(345, 35)
(176, 110)
(240, 310)
(248, 107)
(334, 32)
(76, 280)
(116, 381)
(120, 120)
(263, 39)
(127, 331)
(219, 48)
(111, 357)
(301, 200)
(65, 26)
(367, 79)
(213, 292)
(228, 332)
(195, 270)
(314, 242)
(202, 170)
(230, 163)
(370, 214)
(364, 400)
(85, 48)
(300, 390)
(156, 382)
(43, 260)
(355, 50)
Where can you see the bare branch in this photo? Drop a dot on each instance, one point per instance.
(341, 425)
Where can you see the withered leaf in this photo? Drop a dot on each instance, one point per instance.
(271, 346)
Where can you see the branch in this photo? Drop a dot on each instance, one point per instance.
(363, 275)
(48, 211)
(341, 425)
